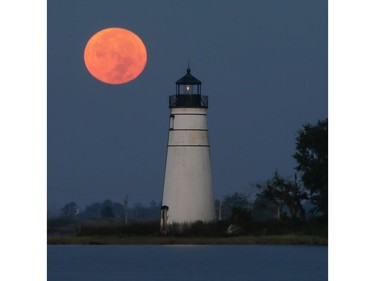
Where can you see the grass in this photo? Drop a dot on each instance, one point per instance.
(108, 232)
(289, 239)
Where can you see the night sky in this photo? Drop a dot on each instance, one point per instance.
(263, 65)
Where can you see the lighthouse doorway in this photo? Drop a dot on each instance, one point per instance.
(164, 219)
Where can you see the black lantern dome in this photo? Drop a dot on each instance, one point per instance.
(188, 92)
(188, 84)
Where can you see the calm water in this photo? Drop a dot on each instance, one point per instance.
(179, 263)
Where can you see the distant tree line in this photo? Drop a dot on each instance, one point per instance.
(110, 210)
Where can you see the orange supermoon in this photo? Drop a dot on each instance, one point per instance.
(115, 55)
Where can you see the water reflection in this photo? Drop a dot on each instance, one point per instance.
(187, 262)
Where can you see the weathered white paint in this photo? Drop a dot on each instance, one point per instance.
(188, 190)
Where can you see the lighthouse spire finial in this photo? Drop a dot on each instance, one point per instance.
(188, 69)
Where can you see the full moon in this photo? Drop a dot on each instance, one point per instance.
(115, 55)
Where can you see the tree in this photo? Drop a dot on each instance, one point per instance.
(70, 209)
(118, 210)
(232, 202)
(106, 210)
(293, 197)
(280, 191)
(91, 211)
(312, 158)
(263, 209)
(139, 211)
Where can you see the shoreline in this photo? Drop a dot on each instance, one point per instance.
(175, 240)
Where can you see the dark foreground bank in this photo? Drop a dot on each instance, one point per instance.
(175, 240)
(115, 232)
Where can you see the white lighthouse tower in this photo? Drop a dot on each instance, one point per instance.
(188, 192)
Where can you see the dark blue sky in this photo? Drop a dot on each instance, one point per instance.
(263, 65)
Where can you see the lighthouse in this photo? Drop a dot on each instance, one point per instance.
(188, 190)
